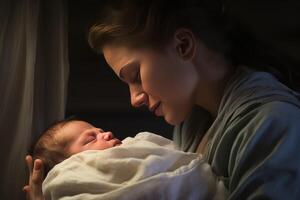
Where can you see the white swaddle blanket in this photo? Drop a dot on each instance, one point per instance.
(147, 166)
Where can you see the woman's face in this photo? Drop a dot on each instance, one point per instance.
(160, 80)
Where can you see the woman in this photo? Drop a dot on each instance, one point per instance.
(175, 58)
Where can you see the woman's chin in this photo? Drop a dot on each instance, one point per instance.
(173, 120)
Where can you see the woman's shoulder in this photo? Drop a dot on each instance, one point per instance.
(261, 135)
(253, 111)
(250, 88)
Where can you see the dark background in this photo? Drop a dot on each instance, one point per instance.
(95, 93)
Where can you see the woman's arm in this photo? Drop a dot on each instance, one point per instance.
(34, 188)
(264, 160)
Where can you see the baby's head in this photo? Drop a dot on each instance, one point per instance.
(69, 137)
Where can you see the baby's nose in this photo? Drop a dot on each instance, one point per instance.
(108, 135)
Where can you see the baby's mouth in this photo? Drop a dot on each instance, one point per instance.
(117, 142)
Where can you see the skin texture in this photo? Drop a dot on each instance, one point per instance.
(34, 188)
(82, 136)
(172, 80)
(147, 82)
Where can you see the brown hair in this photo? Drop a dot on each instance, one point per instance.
(49, 148)
(152, 23)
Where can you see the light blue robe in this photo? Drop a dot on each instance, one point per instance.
(254, 142)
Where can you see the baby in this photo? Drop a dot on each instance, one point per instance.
(147, 166)
(68, 137)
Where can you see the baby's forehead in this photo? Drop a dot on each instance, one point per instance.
(78, 125)
(74, 129)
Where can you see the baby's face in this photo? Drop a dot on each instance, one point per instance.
(82, 136)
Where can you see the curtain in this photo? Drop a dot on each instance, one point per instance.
(33, 81)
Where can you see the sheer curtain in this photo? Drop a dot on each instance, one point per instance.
(33, 81)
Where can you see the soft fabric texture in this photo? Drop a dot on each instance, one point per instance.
(147, 166)
(253, 143)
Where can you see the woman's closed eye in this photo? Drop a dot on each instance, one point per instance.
(138, 77)
(134, 76)
(131, 73)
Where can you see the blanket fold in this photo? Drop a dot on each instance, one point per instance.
(147, 166)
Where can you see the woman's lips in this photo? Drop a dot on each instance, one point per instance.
(157, 109)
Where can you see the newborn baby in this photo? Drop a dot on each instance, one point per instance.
(89, 163)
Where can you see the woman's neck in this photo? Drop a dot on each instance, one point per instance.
(214, 73)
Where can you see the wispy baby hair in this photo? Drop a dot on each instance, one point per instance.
(49, 148)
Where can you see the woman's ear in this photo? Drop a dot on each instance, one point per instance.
(185, 43)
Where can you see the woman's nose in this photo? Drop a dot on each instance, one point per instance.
(137, 96)
(138, 100)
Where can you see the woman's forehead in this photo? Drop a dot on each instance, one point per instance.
(118, 56)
